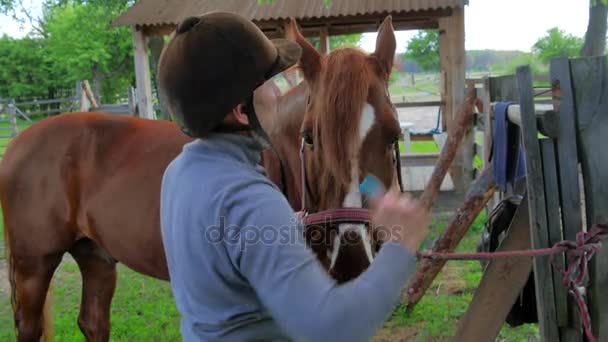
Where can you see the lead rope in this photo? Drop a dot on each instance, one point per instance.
(303, 174)
(398, 166)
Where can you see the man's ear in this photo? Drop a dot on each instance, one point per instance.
(239, 115)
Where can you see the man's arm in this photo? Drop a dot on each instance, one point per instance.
(298, 292)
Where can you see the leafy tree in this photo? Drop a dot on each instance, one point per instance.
(6, 6)
(350, 40)
(556, 43)
(423, 49)
(81, 39)
(24, 70)
(595, 38)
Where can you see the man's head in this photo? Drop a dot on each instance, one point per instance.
(210, 68)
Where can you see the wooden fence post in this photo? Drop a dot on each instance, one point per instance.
(12, 113)
(589, 79)
(500, 285)
(545, 297)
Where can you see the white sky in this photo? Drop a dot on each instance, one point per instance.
(489, 24)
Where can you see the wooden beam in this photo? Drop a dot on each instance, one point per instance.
(324, 41)
(547, 120)
(590, 85)
(449, 150)
(158, 30)
(478, 195)
(419, 159)
(142, 75)
(502, 281)
(359, 23)
(452, 60)
(545, 297)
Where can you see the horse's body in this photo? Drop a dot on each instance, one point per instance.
(89, 184)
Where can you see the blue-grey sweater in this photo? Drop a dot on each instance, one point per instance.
(239, 266)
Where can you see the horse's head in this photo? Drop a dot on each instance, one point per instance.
(349, 131)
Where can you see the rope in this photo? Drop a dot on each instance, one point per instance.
(578, 254)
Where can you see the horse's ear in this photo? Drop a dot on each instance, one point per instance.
(310, 61)
(386, 45)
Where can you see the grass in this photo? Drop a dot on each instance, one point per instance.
(436, 316)
(143, 308)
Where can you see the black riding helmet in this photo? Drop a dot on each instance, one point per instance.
(214, 62)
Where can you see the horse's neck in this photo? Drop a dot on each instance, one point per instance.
(291, 108)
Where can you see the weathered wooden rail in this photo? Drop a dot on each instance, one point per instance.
(566, 191)
(562, 125)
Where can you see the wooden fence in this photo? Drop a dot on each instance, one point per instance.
(562, 120)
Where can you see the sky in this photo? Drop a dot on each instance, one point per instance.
(489, 24)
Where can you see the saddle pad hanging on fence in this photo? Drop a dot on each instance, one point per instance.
(507, 152)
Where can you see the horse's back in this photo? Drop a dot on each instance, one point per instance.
(82, 175)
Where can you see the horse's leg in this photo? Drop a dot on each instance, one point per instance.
(33, 275)
(98, 283)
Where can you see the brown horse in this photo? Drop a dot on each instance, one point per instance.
(89, 183)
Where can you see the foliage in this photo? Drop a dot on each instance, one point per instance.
(423, 48)
(557, 43)
(484, 60)
(510, 68)
(350, 40)
(23, 68)
(6, 6)
(80, 36)
(71, 42)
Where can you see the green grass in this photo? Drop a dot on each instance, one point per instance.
(143, 308)
(420, 147)
(436, 316)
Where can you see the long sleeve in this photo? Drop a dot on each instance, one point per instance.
(307, 303)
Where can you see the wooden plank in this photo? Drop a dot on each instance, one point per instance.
(324, 47)
(41, 102)
(554, 224)
(488, 122)
(547, 119)
(502, 281)
(452, 57)
(503, 89)
(142, 75)
(545, 297)
(475, 200)
(419, 159)
(418, 104)
(590, 81)
(568, 171)
(449, 151)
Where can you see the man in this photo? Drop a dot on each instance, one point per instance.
(216, 199)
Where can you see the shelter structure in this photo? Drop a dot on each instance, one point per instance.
(153, 18)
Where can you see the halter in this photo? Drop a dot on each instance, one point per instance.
(340, 215)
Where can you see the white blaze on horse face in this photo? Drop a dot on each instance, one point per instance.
(353, 197)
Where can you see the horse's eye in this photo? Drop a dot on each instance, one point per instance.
(307, 135)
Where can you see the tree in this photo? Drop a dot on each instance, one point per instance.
(595, 38)
(81, 39)
(556, 43)
(349, 40)
(24, 72)
(423, 49)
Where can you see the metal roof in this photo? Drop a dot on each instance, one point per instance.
(166, 12)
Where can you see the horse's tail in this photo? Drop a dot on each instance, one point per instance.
(11, 271)
(47, 322)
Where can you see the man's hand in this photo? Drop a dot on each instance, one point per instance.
(401, 219)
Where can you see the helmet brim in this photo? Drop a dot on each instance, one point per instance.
(289, 53)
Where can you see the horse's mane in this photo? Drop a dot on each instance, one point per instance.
(344, 87)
